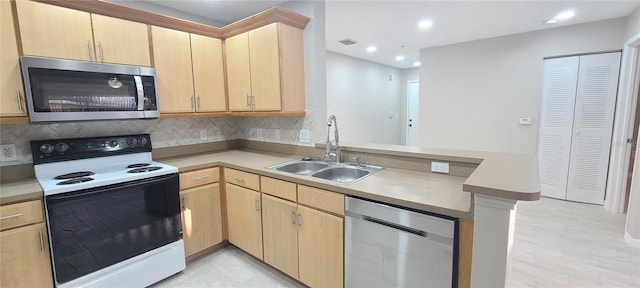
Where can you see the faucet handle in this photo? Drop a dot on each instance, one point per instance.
(358, 160)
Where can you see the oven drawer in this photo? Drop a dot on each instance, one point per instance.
(241, 178)
(199, 177)
(20, 214)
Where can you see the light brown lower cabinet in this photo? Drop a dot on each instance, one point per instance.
(24, 257)
(244, 220)
(320, 248)
(201, 218)
(280, 237)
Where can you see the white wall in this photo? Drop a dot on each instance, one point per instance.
(633, 24)
(361, 95)
(475, 92)
(154, 8)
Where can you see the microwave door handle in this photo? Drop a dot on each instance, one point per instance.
(140, 90)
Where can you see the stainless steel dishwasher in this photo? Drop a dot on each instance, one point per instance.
(390, 246)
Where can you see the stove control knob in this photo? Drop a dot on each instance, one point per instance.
(143, 141)
(61, 147)
(132, 141)
(112, 143)
(46, 148)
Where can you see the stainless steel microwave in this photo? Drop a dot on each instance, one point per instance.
(60, 90)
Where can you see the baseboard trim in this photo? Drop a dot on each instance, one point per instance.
(632, 242)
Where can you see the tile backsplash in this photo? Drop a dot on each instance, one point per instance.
(164, 132)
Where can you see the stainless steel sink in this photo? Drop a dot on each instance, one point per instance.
(328, 170)
(303, 167)
(341, 174)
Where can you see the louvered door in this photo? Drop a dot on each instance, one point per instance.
(556, 124)
(592, 127)
(576, 122)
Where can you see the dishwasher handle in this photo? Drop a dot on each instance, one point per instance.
(395, 226)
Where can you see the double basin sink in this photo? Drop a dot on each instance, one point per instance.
(337, 172)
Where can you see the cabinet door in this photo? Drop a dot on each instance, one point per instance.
(11, 93)
(62, 33)
(320, 247)
(201, 218)
(244, 220)
(208, 73)
(121, 41)
(280, 236)
(172, 58)
(265, 67)
(24, 257)
(238, 72)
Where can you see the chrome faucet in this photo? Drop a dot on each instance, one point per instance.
(327, 149)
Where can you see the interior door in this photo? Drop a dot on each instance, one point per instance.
(556, 124)
(413, 98)
(593, 124)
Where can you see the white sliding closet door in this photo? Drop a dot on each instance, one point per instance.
(592, 127)
(556, 124)
(576, 122)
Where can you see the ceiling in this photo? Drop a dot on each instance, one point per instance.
(392, 26)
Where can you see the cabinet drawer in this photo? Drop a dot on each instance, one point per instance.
(20, 214)
(241, 178)
(199, 177)
(278, 188)
(321, 199)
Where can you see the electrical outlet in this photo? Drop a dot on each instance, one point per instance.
(305, 136)
(8, 153)
(203, 135)
(440, 167)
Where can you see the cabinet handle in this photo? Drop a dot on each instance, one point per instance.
(41, 241)
(198, 101)
(184, 204)
(299, 220)
(239, 180)
(193, 102)
(11, 216)
(248, 100)
(100, 51)
(293, 219)
(256, 203)
(90, 50)
(253, 102)
(19, 98)
(200, 177)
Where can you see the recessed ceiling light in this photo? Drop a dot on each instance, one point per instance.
(551, 21)
(565, 15)
(399, 58)
(416, 64)
(371, 49)
(425, 24)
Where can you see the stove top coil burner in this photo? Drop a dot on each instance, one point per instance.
(144, 169)
(74, 175)
(75, 181)
(138, 165)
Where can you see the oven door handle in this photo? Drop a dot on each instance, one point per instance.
(97, 190)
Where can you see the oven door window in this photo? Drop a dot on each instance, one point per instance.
(72, 91)
(96, 228)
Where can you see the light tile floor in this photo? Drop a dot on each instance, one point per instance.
(556, 244)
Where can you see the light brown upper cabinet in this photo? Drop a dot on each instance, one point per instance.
(73, 34)
(11, 93)
(265, 69)
(189, 71)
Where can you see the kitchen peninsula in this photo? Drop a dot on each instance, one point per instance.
(475, 191)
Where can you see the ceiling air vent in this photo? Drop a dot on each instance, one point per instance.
(347, 42)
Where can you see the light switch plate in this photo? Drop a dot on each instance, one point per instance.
(305, 136)
(203, 135)
(440, 167)
(526, 121)
(8, 153)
